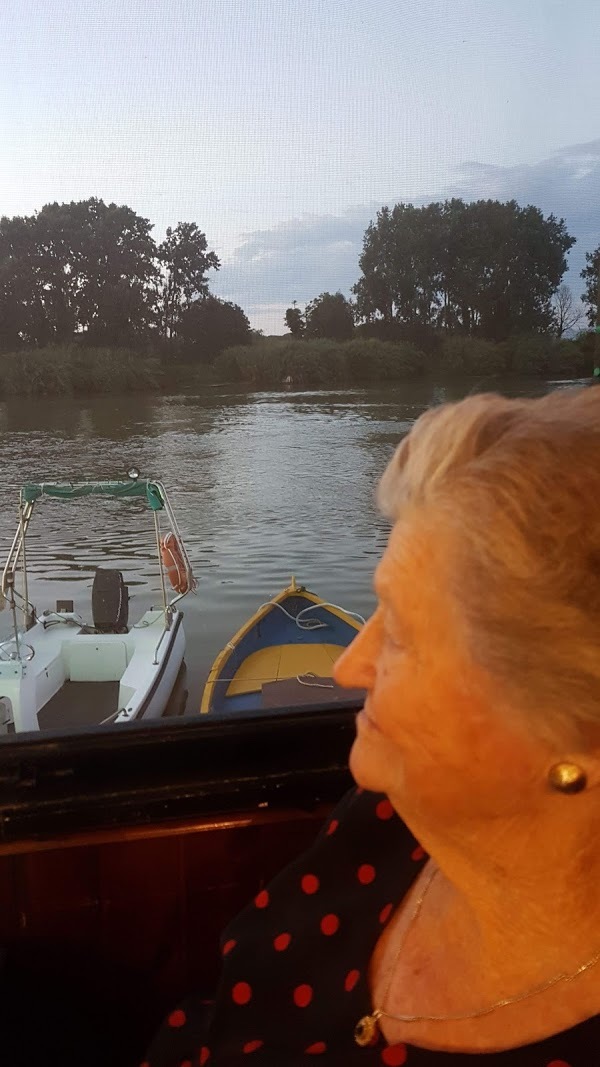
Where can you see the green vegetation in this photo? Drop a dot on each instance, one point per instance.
(294, 320)
(591, 277)
(484, 269)
(271, 363)
(90, 303)
(279, 362)
(69, 370)
(90, 274)
(329, 315)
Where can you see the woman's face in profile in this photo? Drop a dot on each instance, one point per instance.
(431, 735)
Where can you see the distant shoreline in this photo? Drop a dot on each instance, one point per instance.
(280, 364)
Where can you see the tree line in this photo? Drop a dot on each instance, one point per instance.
(484, 269)
(91, 273)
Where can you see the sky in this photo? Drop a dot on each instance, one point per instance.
(281, 126)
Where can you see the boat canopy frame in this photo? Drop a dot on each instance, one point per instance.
(157, 500)
(154, 492)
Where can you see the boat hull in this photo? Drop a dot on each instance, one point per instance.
(153, 704)
(68, 677)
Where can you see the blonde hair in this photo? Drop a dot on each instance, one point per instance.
(518, 483)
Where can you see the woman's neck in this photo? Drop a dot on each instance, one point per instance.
(522, 894)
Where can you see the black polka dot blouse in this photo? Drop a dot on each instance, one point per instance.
(294, 977)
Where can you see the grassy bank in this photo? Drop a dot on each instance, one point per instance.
(69, 370)
(269, 362)
(272, 363)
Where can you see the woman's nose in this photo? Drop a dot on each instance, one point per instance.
(355, 668)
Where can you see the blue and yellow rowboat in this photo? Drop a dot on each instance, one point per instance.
(283, 656)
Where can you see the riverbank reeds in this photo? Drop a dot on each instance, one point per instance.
(320, 364)
(285, 362)
(71, 370)
(270, 363)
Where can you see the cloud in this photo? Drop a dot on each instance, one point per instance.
(300, 258)
(296, 260)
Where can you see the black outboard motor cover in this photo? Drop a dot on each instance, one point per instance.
(110, 602)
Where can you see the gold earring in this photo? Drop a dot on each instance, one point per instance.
(567, 778)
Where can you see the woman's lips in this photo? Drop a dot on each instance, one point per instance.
(366, 721)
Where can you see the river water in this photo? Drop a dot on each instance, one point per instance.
(264, 485)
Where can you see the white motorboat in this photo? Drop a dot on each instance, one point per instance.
(59, 670)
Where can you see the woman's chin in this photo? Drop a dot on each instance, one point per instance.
(364, 767)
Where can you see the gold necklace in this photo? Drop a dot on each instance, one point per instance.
(367, 1028)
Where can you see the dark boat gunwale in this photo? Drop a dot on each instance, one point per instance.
(160, 772)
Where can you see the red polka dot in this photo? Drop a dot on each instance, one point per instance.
(394, 1055)
(558, 1063)
(303, 995)
(145, 1064)
(418, 853)
(185, 1063)
(333, 825)
(252, 1046)
(385, 913)
(177, 1018)
(365, 873)
(204, 1055)
(310, 884)
(227, 947)
(350, 980)
(281, 942)
(384, 810)
(316, 1049)
(262, 899)
(241, 993)
(330, 924)
(359, 790)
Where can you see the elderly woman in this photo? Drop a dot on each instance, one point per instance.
(450, 907)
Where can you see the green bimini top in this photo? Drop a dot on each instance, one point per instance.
(69, 491)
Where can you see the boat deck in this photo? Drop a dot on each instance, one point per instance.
(282, 661)
(79, 704)
(304, 692)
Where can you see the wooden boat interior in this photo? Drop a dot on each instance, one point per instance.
(123, 854)
(293, 637)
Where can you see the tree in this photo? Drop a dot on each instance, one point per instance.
(591, 296)
(568, 313)
(91, 271)
(330, 315)
(18, 293)
(526, 259)
(115, 270)
(83, 269)
(488, 267)
(37, 282)
(185, 261)
(294, 321)
(208, 325)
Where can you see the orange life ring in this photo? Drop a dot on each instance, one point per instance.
(174, 563)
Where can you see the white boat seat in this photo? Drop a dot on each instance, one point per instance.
(90, 658)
